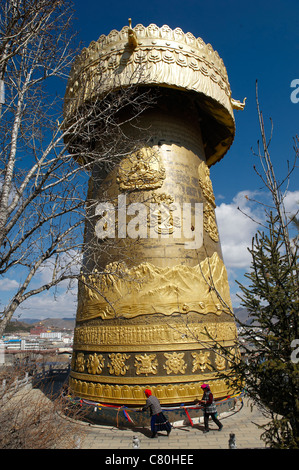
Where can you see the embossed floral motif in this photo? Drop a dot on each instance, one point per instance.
(146, 364)
(201, 361)
(79, 365)
(117, 364)
(175, 363)
(95, 363)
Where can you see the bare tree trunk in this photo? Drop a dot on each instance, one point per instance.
(42, 187)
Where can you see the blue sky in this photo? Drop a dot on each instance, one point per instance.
(257, 40)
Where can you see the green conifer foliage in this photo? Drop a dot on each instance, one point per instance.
(271, 371)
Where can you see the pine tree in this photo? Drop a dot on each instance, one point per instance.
(271, 299)
(270, 373)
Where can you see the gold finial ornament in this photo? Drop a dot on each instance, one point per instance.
(236, 104)
(132, 38)
(153, 296)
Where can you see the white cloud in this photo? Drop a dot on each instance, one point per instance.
(237, 229)
(291, 202)
(8, 284)
(46, 305)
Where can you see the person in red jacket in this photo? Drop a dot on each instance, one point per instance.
(209, 408)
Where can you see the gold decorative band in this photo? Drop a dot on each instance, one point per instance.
(141, 380)
(164, 51)
(150, 347)
(97, 337)
(154, 290)
(124, 367)
(134, 394)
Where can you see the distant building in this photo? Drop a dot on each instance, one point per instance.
(12, 343)
(21, 344)
(37, 330)
(51, 334)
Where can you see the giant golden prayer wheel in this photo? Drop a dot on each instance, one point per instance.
(154, 309)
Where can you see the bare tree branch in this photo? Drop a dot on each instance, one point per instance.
(46, 158)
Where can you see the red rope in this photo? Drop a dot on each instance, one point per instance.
(190, 420)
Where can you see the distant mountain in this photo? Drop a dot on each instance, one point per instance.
(57, 323)
(15, 326)
(242, 315)
(28, 321)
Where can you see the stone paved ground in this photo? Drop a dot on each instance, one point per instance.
(242, 422)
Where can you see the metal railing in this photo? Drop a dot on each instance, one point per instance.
(37, 374)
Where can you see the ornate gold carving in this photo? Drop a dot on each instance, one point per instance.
(95, 363)
(209, 222)
(146, 367)
(80, 362)
(89, 337)
(148, 289)
(206, 183)
(134, 394)
(219, 359)
(175, 363)
(141, 170)
(160, 57)
(234, 357)
(165, 58)
(117, 365)
(146, 364)
(193, 55)
(132, 38)
(236, 104)
(162, 218)
(201, 361)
